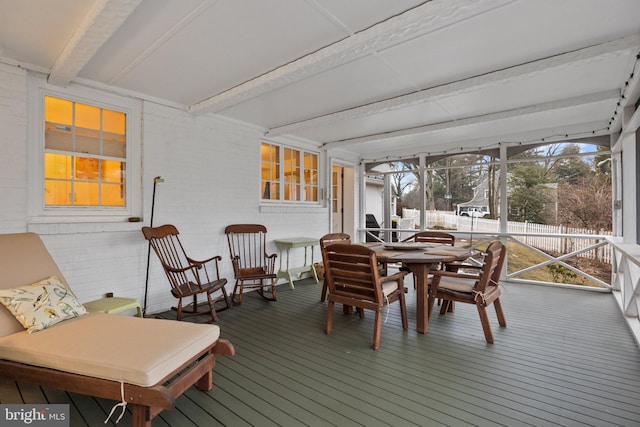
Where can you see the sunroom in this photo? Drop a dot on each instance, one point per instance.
(118, 114)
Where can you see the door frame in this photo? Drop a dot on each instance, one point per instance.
(347, 184)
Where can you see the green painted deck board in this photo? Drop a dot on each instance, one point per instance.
(565, 358)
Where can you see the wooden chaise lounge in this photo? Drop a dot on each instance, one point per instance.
(146, 363)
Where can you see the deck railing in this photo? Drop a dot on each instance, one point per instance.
(625, 281)
(624, 260)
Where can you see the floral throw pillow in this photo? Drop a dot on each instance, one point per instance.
(41, 304)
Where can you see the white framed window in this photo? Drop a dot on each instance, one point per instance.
(288, 174)
(84, 154)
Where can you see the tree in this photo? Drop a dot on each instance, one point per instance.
(586, 203)
(529, 194)
(570, 169)
(494, 189)
(402, 181)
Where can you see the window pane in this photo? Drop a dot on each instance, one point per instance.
(291, 174)
(57, 193)
(311, 194)
(87, 117)
(310, 177)
(112, 195)
(310, 161)
(270, 171)
(87, 141)
(87, 169)
(112, 171)
(266, 190)
(58, 111)
(114, 122)
(57, 166)
(58, 137)
(85, 194)
(114, 145)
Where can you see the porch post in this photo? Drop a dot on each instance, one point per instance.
(386, 198)
(423, 197)
(503, 189)
(504, 223)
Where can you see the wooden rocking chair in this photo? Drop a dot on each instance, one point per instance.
(188, 277)
(252, 266)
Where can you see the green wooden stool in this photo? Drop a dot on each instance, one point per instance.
(113, 305)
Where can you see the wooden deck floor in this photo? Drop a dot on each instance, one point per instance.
(566, 358)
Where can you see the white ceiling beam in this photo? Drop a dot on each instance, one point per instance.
(98, 26)
(611, 95)
(429, 17)
(487, 80)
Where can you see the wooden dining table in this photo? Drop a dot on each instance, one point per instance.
(419, 258)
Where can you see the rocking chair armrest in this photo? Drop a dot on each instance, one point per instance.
(270, 261)
(180, 270)
(235, 261)
(216, 258)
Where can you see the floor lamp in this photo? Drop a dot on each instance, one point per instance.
(156, 180)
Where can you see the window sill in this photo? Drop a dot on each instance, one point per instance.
(269, 208)
(45, 226)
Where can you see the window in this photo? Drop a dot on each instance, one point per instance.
(84, 154)
(84, 151)
(293, 171)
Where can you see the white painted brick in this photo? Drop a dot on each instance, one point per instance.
(211, 169)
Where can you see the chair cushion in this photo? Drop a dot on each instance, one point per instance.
(389, 287)
(457, 284)
(41, 304)
(111, 346)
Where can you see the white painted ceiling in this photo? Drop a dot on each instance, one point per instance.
(378, 77)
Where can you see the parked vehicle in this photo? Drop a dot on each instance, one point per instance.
(475, 212)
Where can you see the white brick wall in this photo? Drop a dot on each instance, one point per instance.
(211, 170)
(13, 161)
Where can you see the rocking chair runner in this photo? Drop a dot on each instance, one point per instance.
(188, 277)
(252, 266)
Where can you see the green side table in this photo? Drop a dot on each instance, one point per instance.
(113, 305)
(285, 246)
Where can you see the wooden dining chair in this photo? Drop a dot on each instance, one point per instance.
(479, 289)
(188, 277)
(439, 237)
(252, 266)
(436, 237)
(327, 240)
(354, 280)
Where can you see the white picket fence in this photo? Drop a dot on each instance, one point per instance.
(541, 236)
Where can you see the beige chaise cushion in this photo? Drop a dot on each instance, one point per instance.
(114, 347)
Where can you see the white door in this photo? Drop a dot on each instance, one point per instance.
(342, 199)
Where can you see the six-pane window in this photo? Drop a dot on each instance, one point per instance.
(85, 155)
